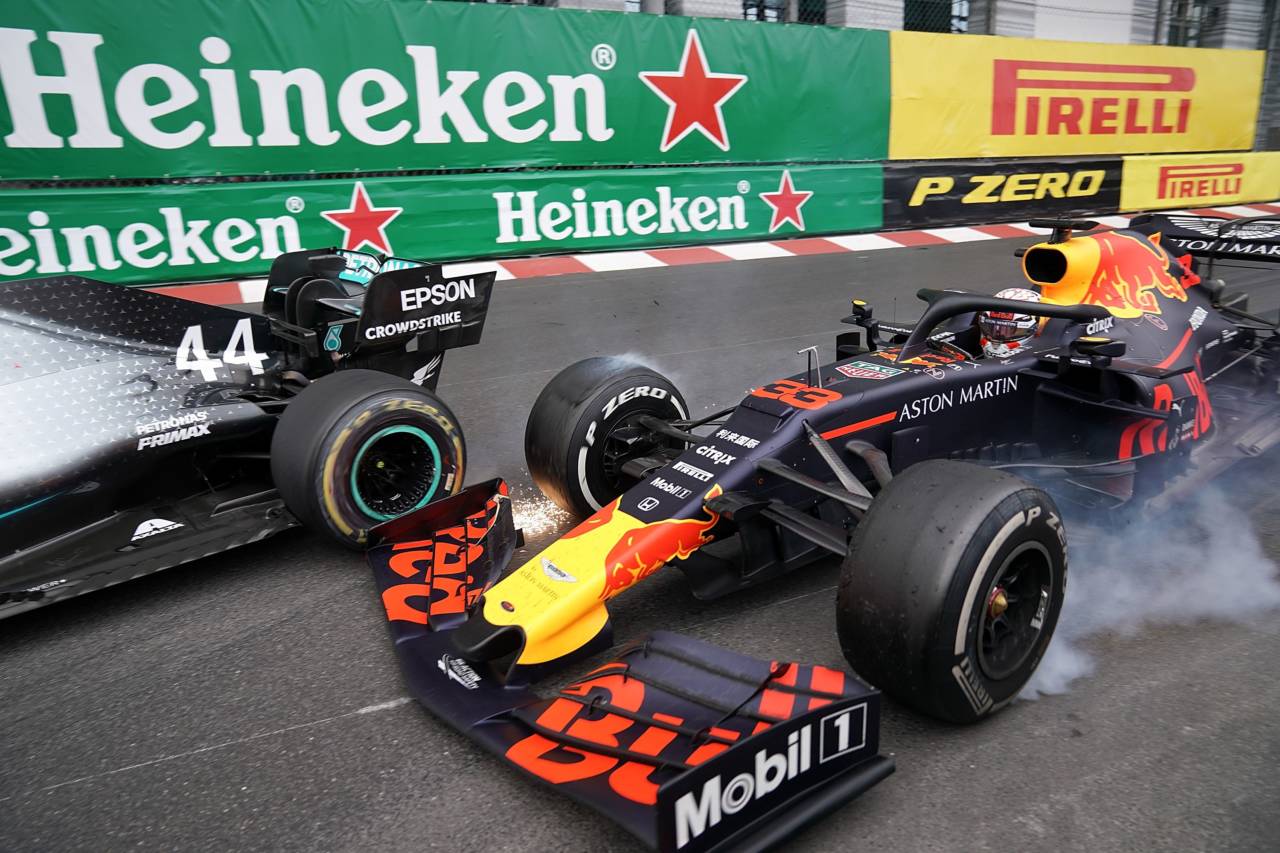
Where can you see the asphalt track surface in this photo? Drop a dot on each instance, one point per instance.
(251, 701)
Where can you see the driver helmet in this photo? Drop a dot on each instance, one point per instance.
(1004, 333)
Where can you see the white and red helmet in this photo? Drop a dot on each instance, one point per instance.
(1003, 332)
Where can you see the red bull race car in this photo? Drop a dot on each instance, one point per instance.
(933, 460)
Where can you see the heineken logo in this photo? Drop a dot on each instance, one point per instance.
(162, 107)
(51, 247)
(363, 224)
(523, 217)
(175, 242)
(528, 217)
(786, 203)
(170, 238)
(90, 92)
(694, 96)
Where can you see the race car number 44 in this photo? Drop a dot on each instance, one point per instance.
(191, 353)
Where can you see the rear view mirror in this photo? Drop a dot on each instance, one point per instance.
(1096, 345)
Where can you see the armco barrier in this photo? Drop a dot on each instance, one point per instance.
(168, 140)
(201, 231)
(987, 96)
(153, 88)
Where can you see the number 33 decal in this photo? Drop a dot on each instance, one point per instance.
(796, 394)
(239, 350)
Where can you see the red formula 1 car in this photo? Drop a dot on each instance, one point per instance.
(931, 459)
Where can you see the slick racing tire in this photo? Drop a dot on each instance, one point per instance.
(952, 587)
(583, 428)
(358, 447)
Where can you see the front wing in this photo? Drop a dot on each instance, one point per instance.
(686, 745)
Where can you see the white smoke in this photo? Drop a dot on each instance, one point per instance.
(1202, 561)
(644, 360)
(677, 376)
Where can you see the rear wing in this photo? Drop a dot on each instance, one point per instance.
(351, 271)
(1254, 238)
(421, 302)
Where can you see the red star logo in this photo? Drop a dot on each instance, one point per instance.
(362, 222)
(786, 203)
(694, 96)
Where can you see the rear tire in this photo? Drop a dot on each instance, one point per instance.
(358, 447)
(952, 588)
(575, 440)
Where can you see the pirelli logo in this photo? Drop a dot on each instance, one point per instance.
(1194, 180)
(1200, 180)
(1039, 98)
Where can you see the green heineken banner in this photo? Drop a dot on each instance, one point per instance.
(155, 88)
(198, 231)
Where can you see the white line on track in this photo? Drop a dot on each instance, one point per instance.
(611, 261)
(253, 290)
(1240, 210)
(863, 242)
(751, 251)
(368, 709)
(960, 234)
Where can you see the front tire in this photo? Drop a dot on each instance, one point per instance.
(583, 428)
(952, 588)
(358, 447)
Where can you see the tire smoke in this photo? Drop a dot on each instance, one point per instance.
(1203, 561)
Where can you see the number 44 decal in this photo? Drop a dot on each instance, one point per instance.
(239, 350)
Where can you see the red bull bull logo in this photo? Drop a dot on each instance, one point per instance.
(1132, 273)
(643, 550)
(1127, 274)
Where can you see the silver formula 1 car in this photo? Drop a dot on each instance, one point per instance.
(141, 431)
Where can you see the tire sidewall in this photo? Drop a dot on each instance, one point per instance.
(332, 469)
(965, 692)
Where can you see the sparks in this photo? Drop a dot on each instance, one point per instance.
(537, 516)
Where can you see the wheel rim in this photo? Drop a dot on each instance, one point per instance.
(396, 470)
(1014, 610)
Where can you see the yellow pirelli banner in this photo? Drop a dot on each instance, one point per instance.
(1199, 180)
(986, 96)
